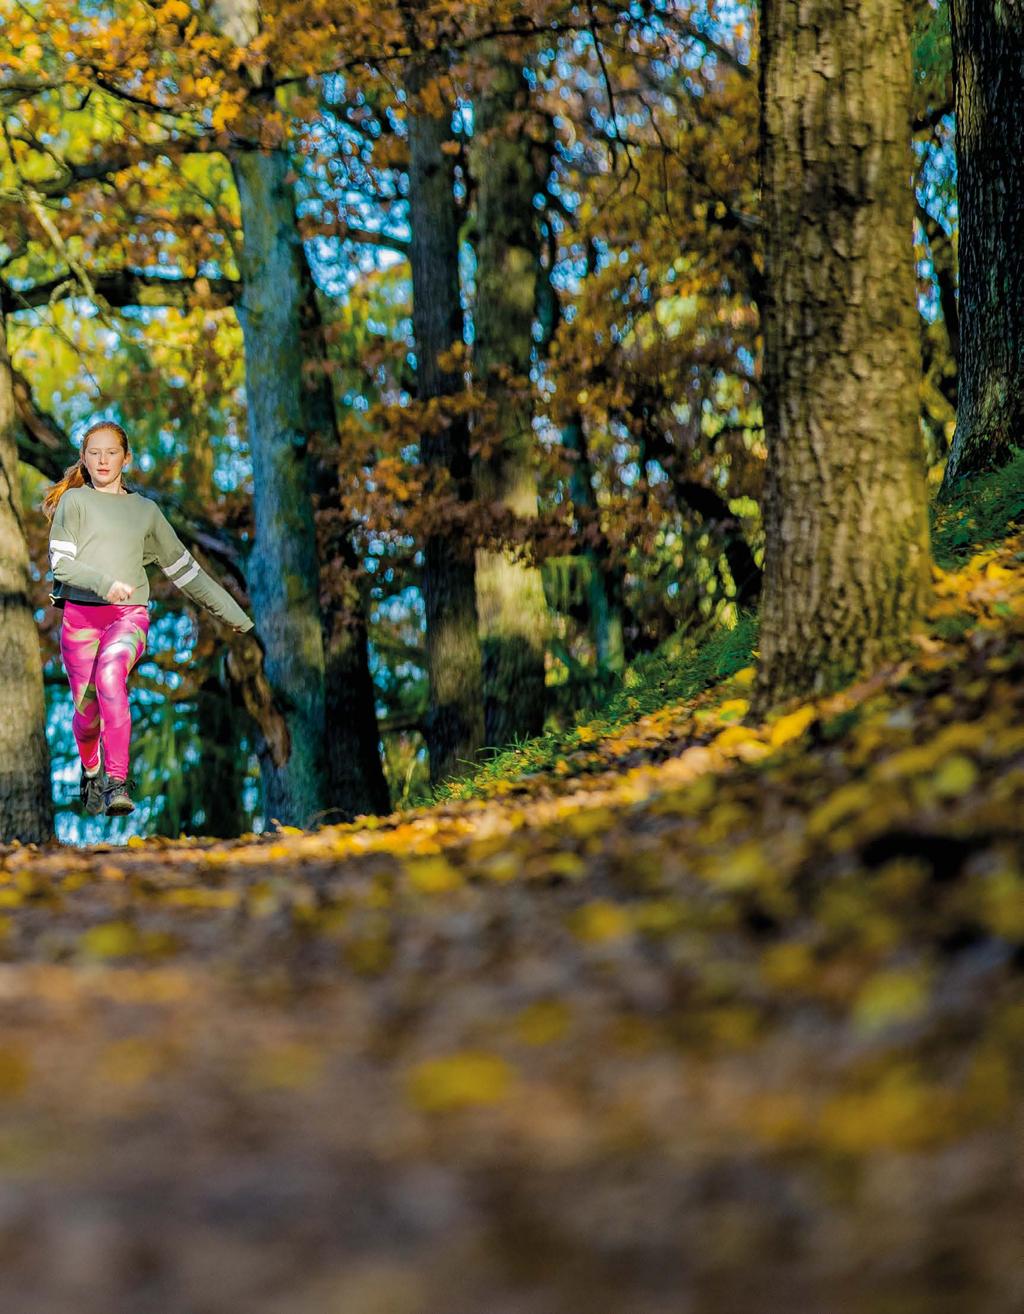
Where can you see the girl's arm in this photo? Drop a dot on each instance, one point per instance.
(165, 548)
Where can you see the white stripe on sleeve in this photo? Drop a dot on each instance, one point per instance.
(183, 560)
(182, 580)
(59, 556)
(57, 545)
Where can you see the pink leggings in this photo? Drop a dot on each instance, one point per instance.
(99, 646)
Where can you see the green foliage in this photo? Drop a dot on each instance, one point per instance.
(979, 514)
(932, 50)
(677, 670)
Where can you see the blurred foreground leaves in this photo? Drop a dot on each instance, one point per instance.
(709, 1016)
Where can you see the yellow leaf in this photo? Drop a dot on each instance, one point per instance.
(433, 875)
(733, 708)
(110, 940)
(733, 735)
(791, 726)
(201, 897)
(740, 867)
(459, 1081)
(888, 997)
(542, 1022)
(601, 920)
(840, 804)
(956, 776)
(13, 1072)
(569, 865)
(788, 966)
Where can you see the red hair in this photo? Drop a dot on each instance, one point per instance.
(76, 475)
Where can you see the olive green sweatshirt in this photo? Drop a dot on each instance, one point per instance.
(97, 538)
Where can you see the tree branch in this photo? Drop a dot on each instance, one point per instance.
(126, 287)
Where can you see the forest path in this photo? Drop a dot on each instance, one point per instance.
(709, 1017)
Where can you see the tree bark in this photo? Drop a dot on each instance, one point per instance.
(846, 557)
(988, 77)
(510, 595)
(454, 725)
(355, 776)
(26, 798)
(283, 568)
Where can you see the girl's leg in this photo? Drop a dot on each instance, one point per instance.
(79, 644)
(122, 644)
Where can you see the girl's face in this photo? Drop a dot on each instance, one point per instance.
(104, 457)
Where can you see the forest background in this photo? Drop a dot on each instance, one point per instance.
(461, 304)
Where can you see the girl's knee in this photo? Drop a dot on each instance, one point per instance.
(110, 684)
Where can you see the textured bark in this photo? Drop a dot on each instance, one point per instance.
(283, 568)
(988, 75)
(846, 557)
(454, 725)
(510, 596)
(355, 776)
(26, 800)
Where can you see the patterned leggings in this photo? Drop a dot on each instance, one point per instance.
(99, 646)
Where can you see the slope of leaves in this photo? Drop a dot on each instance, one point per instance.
(681, 667)
(979, 515)
(704, 1015)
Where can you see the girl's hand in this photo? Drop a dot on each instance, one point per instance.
(119, 591)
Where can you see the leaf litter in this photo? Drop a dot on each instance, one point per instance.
(739, 1028)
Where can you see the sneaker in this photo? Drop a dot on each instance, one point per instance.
(116, 799)
(90, 791)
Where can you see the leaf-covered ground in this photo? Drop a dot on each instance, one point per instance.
(704, 1017)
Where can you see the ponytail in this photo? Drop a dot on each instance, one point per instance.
(74, 477)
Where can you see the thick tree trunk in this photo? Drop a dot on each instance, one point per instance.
(355, 775)
(454, 724)
(26, 799)
(510, 596)
(988, 73)
(283, 568)
(846, 557)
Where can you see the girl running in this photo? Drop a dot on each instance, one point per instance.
(102, 537)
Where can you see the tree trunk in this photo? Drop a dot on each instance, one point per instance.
(846, 532)
(454, 725)
(604, 582)
(26, 798)
(219, 721)
(510, 596)
(355, 776)
(988, 79)
(283, 568)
